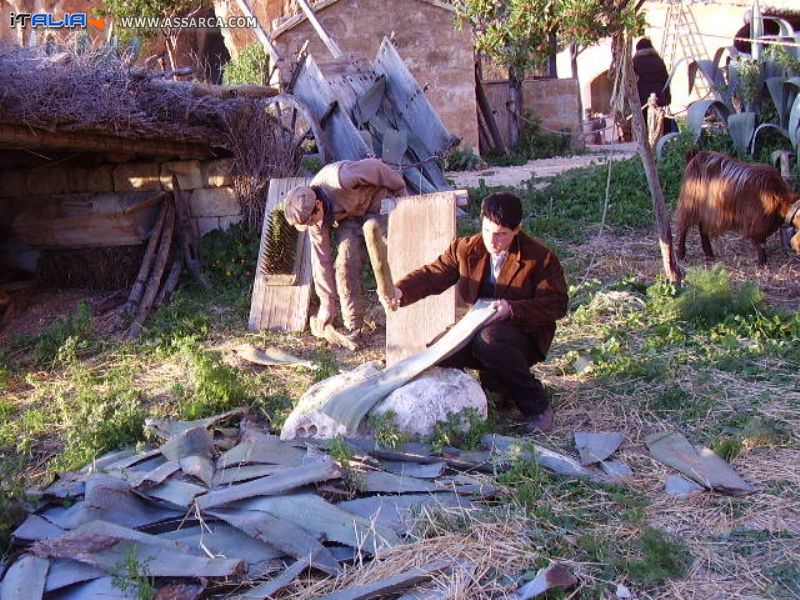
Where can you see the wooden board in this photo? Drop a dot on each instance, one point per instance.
(420, 229)
(414, 108)
(281, 307)
(311, 86)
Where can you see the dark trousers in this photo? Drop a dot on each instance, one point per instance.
(503, 354)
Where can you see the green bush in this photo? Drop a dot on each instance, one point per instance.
(536, 143)
(250, 67)
(711, 298)
(217, 387)
(462, 159)
(230, 256)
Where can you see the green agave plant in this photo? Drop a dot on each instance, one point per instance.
(740, 89)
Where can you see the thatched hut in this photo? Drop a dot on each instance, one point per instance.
(90, 132)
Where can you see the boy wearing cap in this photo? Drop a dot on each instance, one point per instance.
(527, 282)
(343, 195)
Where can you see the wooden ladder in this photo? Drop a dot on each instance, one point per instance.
(682, 39)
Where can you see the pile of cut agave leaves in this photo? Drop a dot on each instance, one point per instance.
(223, 506)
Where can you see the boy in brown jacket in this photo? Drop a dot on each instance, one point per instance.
(527, 281)
(343, 195)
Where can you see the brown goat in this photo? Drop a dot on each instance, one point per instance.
(720, 194)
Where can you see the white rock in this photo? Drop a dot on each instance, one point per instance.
(430, 397)
(307, 421)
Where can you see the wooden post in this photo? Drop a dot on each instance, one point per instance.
(331, 45)
(648, 161)
(186, 235)
(486, 111)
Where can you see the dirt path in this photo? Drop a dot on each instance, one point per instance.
(545, 167)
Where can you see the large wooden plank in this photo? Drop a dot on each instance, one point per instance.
(311, 86)
(420, 229)
(281, 307)
(409, 99)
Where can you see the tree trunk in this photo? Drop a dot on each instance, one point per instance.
(573, 63)
(552, 59)
(648, 161)
(514, 104)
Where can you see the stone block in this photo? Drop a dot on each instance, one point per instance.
(206, 224)
(427, 400)
(216, 173)
(90, 179)
(136, 177)
(226, 222)
(187, 171)
(13, 183)
(214, 202)
(49, 181)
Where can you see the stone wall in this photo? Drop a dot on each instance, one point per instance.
(554, 101)
(438, 55)
(212, 200)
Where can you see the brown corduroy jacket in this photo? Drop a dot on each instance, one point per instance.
(531, 279)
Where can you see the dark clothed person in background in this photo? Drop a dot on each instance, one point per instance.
(652, 78)
(527, 282)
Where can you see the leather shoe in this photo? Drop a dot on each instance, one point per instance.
(541, 423)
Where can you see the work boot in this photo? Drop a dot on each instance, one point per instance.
(541, 423)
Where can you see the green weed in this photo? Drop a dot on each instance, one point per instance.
(386, 433)
(97, 413)
(461, 430)
(12, 488)
(217, 387)
(655, 558)
(462, 159)
(131, 578)
(183, 320)
(343, 455)
(76, 327)
(710, 297)
(326, 360)
(230, 255)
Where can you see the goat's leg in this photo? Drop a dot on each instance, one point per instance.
(761, 252)
(680, 250)
(705, 242)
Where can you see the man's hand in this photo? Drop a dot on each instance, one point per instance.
(503, 311)
(392, 303)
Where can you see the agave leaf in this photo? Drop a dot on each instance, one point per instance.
(778, 93)
(675, 69)
(351, 404)
(786, 29)
(794, 123)
(696, 115)
(661, 144)
(742, 126)
(775, 158)
(764, 126)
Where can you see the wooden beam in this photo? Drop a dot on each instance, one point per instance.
(32, 138)
(260, 33)
(332, 46)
